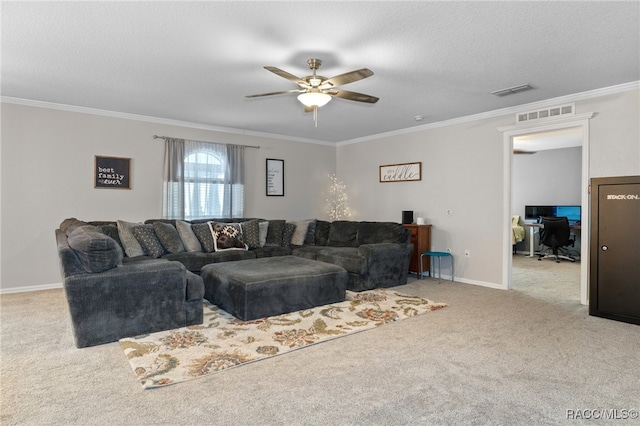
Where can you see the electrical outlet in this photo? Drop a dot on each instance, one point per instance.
(467, 253)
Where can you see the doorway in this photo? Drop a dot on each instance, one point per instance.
(547, 171)
(579, 122)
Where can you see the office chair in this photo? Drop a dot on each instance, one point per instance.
(555, 234)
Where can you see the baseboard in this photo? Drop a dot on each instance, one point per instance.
(445, 278)
(30, 288)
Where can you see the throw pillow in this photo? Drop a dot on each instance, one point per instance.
(169, 237)
(131, 245)
(226, 236)
(322, 232)
(287, 234)
(148, 239)
(68, 225)
(263, 229)
(97, 252)
(310, 239)
(274, 233)
(189, 239)
(203, 233)
(110, 231)
(251, 233)
(300, 232)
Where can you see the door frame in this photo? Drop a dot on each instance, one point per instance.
(508, 133)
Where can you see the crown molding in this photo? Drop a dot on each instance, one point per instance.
(634, 85)
(156, 120)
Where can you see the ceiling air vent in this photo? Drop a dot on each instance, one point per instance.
(547, 113)
(512, 90)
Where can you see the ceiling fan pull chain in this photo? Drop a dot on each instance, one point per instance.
(315, 115)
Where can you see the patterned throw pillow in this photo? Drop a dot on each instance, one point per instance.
(226, 236)
(251, 233)
(169, 237)
(189, 239)
(149, 241)
(203, 233)
(287, 234)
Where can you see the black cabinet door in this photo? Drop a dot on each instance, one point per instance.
(615, 250)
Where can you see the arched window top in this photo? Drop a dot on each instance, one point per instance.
(204, 164)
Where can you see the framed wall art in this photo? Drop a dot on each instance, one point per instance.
(112, 172)
(275, 177)
(401, 172)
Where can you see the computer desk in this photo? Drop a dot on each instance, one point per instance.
(531, 227)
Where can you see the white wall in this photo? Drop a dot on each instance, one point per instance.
(462, 171)
(47, 167)
(47, 176)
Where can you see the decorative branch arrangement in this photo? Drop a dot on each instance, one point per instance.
(337, 200)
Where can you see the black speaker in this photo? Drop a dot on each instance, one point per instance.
(407, 217)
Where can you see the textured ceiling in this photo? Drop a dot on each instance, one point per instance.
(195, 61)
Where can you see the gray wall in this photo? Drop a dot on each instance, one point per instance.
(463, 172)
(47, 165)
(47, 176)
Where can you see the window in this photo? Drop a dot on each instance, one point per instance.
(203, 180)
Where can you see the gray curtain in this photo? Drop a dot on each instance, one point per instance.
(203, 180)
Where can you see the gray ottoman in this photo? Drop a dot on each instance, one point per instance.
(258, 288)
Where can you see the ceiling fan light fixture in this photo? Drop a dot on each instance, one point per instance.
(314, 99)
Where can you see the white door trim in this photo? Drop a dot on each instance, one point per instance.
(508, 133)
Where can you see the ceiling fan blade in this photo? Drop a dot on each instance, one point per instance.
(520, 151)
(285, 74)
(273, 93)
(348, 77)
(353, 96)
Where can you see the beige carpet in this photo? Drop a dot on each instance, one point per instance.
(492, 357)
(223, 341)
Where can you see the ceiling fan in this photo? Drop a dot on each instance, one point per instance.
(316, 91)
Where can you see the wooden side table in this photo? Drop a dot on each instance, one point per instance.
(421, 240)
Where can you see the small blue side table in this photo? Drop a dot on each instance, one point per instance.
(439, 255)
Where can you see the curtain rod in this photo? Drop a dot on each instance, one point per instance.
(167, 137)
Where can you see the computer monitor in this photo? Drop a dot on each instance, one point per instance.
(573, 213)
(536, 212)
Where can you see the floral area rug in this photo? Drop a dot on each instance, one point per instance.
(223, 341)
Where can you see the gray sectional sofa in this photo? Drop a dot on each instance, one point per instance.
(123, 279)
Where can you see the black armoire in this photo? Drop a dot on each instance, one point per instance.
(614, 281)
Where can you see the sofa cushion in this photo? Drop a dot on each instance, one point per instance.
(97, 252)
(345, 257)
(68, 225)
(322, 232)
(146, 236)
(343, 233)
(251, 233)
(274, 233)
(380, 232)
(227, 236)
(189, 239)
(129, 242)
(203, 233)
(169, 237)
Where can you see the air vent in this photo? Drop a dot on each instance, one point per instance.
(512, 90)
(541, 114)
